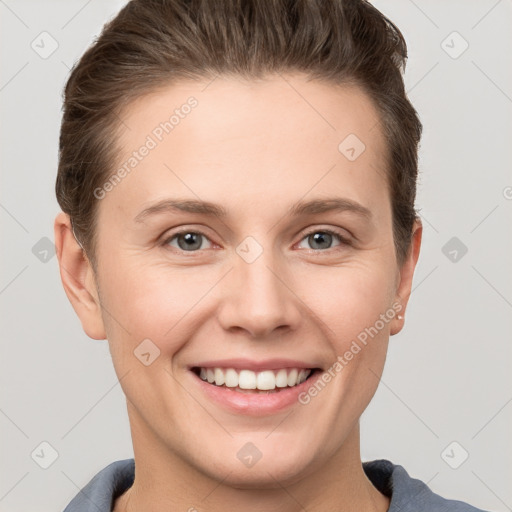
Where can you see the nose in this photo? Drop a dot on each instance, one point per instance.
(259, 299)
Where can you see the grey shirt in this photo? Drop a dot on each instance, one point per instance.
(407, 494)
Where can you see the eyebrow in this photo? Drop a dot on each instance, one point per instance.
(312, 207)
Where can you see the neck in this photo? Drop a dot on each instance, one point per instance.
(164, 481)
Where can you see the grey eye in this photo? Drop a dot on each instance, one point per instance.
(188, 241)
(321, 240)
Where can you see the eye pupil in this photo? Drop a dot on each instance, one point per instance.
(191, 241)
(320, 238)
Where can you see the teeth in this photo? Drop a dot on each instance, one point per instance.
(219, 377)
(292, 377)
(281, 379)
(231, 378)
(247, 379)
(265, 380)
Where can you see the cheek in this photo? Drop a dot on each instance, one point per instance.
(153, 302)
(355, 306)
(152, 315)
(350, 299)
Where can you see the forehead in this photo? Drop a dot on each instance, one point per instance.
(213, 137)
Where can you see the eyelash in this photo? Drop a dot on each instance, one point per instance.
(343, 240)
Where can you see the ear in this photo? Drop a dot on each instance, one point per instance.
(405, 277)
(77, 277)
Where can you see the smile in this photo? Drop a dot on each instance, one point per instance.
(245, 380)
(254, 387)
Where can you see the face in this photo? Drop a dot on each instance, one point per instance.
(249, 245)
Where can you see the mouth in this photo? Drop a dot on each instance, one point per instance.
(247, 381)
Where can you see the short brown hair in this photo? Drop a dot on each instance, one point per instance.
(152, 43)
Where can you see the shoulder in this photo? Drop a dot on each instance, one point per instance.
(99, 494)
(409, 494)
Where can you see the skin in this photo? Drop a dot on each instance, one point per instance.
(255, 148)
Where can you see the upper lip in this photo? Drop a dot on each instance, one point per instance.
(250, 364)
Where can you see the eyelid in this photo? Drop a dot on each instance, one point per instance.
(181, 231)
(344, 240)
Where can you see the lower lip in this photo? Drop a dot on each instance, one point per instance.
(255, 404)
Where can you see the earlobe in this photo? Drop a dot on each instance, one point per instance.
(77, 277)
(405, 277)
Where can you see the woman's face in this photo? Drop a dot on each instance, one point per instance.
(298, 272)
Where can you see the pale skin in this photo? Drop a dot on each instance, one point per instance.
(255, 148)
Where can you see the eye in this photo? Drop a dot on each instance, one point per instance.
(193, 241)
(321, 239)
(189, 241)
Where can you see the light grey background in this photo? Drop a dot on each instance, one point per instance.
(448, 373)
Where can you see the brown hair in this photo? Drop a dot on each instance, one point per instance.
(152, 43)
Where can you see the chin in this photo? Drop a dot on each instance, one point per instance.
(271, 475)
(268, 469)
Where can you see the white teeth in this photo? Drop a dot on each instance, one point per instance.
(219, 376)
(292, 377)
(266, 380)
(247, 379)
(231, 378)
(281, 379)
